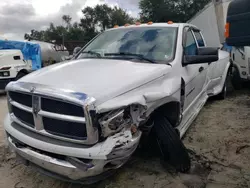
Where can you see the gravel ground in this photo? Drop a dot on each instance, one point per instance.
(218, 142)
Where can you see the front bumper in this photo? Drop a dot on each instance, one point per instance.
(71, 162)
(4, 82)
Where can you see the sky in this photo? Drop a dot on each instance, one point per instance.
(20, 16)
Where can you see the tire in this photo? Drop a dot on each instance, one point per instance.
(170, 144)
(236, 79)
(20, 75)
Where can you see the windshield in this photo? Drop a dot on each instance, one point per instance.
(152, 43)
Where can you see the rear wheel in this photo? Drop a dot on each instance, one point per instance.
(170, 144)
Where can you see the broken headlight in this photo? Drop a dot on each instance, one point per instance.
(114, 121)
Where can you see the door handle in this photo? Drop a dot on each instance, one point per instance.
(201, 69)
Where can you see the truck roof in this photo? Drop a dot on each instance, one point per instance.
(154, 25)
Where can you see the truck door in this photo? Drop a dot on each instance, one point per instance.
(195, 75)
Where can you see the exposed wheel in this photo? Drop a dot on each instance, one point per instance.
(170, 144)
(236, 79)
(20, 75)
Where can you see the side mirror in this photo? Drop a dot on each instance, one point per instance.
(204, 55)
(238, 20)
(76, 50)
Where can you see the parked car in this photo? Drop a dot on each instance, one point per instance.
(83, 119)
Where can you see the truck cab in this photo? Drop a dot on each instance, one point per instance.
(240, 57)
(12, 67)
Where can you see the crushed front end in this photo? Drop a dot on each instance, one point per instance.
(59, 133)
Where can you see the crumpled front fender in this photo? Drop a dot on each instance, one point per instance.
(151, 95)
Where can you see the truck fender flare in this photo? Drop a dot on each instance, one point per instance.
(21, 74)
(25, 71)
(171, 111)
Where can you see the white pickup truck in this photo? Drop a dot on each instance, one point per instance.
(80, 120)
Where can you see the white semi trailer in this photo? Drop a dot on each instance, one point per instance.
(212, 20)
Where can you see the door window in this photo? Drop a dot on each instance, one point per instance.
(199, 39)
(190, 45)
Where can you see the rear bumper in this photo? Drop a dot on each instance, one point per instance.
(65, 163)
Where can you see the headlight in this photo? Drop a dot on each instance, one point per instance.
(114, 121)
(5, 74)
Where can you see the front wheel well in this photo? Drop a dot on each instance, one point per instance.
(24, 71)
(171, 110)
(21, 74)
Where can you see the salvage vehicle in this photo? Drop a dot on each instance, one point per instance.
(19, 58)
(234, 16)
(240, 57)
(237, 31)
(238, 35)
(81, 120)
(12, 67)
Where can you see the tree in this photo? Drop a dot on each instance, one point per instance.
(174, 10)
(103, 17)
(67, 19)
(93, 21)
(120, 17)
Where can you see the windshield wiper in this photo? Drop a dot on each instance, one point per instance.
(92, 53)
(130, 54)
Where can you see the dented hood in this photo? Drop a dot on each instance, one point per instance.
(102, 79)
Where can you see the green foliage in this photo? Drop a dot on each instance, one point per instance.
(101, 17)
(174, 10)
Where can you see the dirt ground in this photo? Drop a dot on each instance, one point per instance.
(218, 142)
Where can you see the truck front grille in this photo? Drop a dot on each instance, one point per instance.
(66, 129)
(21, 98)
(61, 107)
(55, 117)
(25, 117)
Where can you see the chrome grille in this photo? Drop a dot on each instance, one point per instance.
(53, 117)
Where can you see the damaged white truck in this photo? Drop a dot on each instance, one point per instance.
(81, 120)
